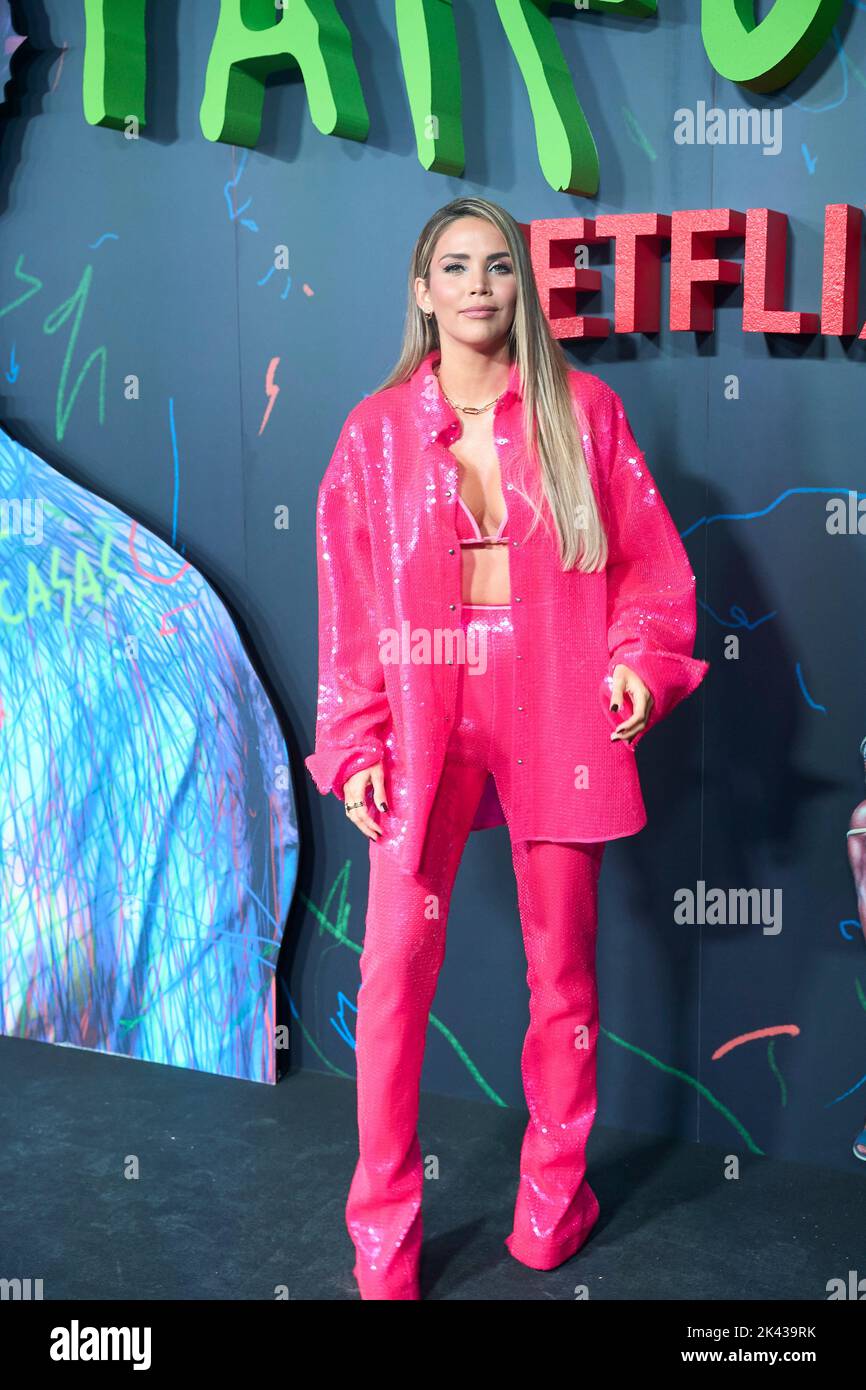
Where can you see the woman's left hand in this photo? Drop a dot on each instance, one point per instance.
(627, 681)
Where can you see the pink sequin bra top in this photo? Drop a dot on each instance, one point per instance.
(469, 532)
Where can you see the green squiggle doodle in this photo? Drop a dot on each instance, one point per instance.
(692, 1081)
(56, 320)
(771, 1058)
(635, 131)
(31, 280)
(338, 931)
(467, 1061)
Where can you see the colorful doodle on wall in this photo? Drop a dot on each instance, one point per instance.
(149, 844)
(10, 39)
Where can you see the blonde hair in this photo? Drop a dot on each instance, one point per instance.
(551, 429)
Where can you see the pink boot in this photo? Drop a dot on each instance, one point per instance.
(557, 893)
(404, 945)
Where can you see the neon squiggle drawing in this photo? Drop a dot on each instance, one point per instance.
(148, 843)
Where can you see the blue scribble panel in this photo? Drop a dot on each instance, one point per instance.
(149, 845)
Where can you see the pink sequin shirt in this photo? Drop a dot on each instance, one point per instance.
(390, 570)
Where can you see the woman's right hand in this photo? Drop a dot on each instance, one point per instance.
(356, 790)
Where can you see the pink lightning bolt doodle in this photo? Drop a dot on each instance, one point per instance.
(271, 391)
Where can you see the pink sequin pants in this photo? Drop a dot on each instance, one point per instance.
(404, 946)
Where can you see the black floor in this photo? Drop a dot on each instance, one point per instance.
(241, 1190)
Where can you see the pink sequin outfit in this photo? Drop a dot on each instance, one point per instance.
(404, 945)
(389, 567)
(510, 724)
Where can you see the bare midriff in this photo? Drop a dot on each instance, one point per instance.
(486, 577)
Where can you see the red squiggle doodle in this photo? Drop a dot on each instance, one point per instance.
(790, 1028)
(139, 568)
(271, 391)
(170, 631)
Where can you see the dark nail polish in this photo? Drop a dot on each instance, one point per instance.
(614, 706)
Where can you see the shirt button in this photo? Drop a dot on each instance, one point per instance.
(452, 605)
(448, 494)
(517, 600)
(520, 707)
(451, 550)
(517, 656)
(520, 760)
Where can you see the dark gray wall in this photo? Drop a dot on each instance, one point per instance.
(750, 784)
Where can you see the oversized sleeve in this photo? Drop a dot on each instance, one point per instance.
(651, 605)
(352, 709)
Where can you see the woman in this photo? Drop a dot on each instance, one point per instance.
(490, 594)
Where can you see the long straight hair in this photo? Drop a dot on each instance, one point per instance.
(552, 429)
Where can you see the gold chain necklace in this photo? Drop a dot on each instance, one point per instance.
(467, 409)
